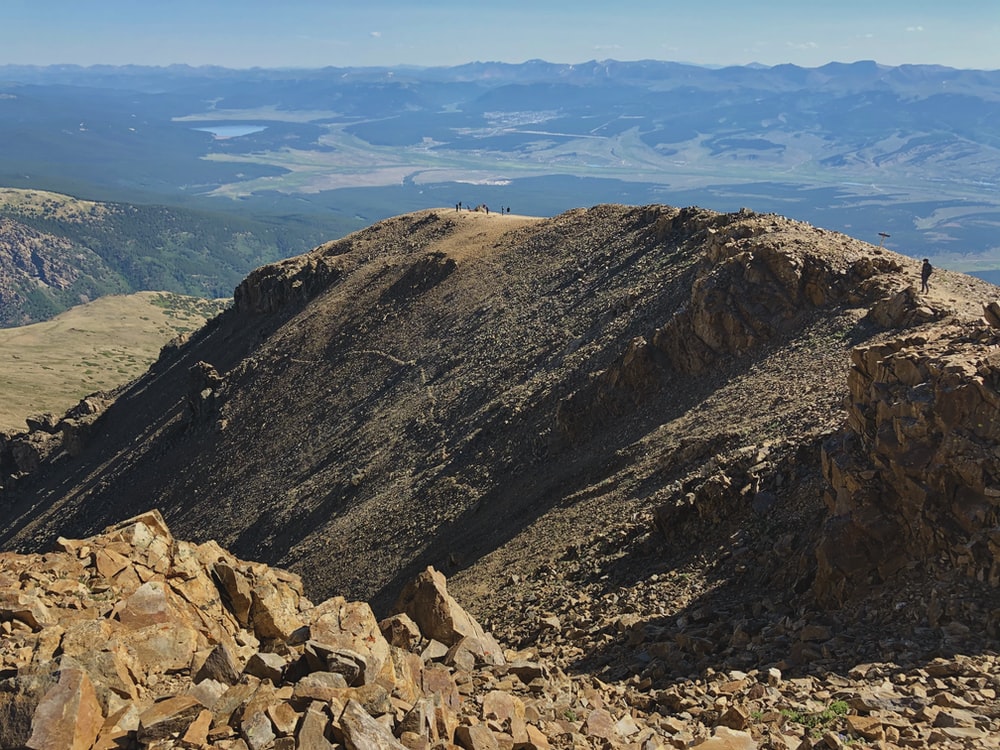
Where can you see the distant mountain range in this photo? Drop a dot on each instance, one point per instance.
(862, 148)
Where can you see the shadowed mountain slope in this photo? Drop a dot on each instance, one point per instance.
(615, 402)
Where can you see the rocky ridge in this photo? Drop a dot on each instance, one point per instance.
(135, 639)
(660, 449)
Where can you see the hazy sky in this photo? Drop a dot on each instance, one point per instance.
(316, 33)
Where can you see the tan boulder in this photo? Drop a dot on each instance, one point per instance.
(427, 601)
(502, 707)
(230, 704)
(197, 732)
(536, 740)
(866, 727)
(313, 731)
(69, 716)
(407, 675)
(476, 737)
(28, 608)
(220, 665)
(119, 728)
(351, 630)
(362, 732)
(170, 716)
(256, 729)
(274, 612)
(284, 717)
(158, 649)
(110, 563)
(266, 666)
(724, 738)
(320, 686)
(600, 723)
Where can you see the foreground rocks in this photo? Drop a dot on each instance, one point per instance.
(134, 639)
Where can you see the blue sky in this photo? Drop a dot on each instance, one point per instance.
(316, 33)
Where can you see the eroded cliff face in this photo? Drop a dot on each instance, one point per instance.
(916, 472)
(761, 275)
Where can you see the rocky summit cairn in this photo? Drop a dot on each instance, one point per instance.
(132, 639)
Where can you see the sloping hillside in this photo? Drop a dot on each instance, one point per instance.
(49, 366)
(57, 251)
(616, 411)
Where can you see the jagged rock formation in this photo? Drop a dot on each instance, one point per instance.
(133, 639)
(32, 260)
(762, 278)
(621, 432)
(47, 436)
(917, 474)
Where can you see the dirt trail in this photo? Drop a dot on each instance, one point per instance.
(964, 294)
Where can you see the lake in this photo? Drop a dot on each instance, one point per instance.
(232, 131)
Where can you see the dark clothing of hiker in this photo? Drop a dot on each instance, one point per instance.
(925, 273)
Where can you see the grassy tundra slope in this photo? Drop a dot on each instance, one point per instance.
(47, 367)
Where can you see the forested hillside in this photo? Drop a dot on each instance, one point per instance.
(57, 251)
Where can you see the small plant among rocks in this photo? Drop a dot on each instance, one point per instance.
(818, 722)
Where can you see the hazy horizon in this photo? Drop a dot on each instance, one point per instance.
(317, 33)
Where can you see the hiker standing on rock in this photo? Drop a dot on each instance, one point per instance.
(925, 273)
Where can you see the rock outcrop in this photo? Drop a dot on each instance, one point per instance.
(22, 453)
(290, 282)
(760, 277)
(916, 474)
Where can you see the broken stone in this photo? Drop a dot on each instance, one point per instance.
(69, 716)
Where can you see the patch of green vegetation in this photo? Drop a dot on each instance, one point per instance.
(123, 248)
(820, 721)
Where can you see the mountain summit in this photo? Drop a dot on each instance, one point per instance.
(713, 422)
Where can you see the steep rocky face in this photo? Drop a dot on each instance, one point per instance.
(614, 409)
(36, 266)
(917, 472)
(761, 277)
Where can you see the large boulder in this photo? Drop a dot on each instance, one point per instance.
(427, 601)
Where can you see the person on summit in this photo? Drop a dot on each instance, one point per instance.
(925, 273)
